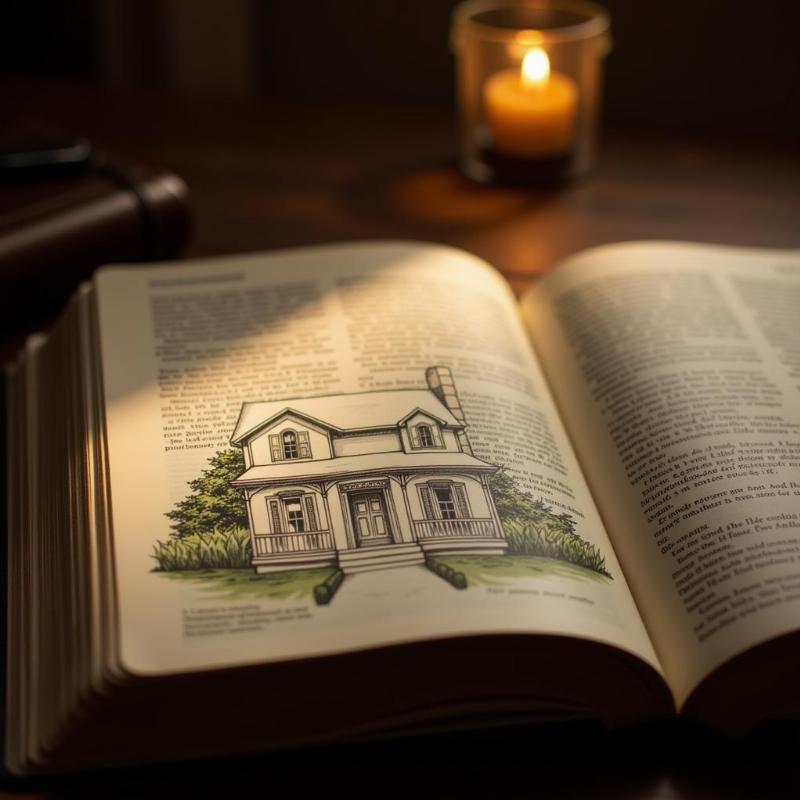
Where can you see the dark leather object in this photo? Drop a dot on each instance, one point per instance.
(55, 232)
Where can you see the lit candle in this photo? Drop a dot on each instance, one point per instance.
(531, 111)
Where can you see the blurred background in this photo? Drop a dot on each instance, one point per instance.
(305, 121)
(699, 66)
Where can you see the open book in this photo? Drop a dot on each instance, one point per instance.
(359, 489)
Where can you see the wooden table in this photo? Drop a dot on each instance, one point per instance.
(267, 174)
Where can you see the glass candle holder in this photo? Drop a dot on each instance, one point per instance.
(529, 77)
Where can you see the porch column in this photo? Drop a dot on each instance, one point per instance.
(343, 511)
(398, 487)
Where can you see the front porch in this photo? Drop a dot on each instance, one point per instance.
(446, 528)
(477, 536)
(275, 552)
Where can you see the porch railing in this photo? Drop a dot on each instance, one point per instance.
(440, 528)
(278, 543)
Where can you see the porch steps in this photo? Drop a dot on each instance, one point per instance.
(464, 546)
(386, 556)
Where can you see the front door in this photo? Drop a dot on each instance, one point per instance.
(370, 524)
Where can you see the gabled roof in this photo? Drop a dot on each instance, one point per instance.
(346, 412)
(342, 466)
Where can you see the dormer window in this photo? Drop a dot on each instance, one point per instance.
(289, 445)
(290, 449)
(425, 436)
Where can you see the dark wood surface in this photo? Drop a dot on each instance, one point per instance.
(266, 174)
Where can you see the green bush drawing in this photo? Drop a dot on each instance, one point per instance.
(532, 528)
(454, 578)
(209, 527)
(324, 592)
(213, 504)
(530, 539)
(217, 549)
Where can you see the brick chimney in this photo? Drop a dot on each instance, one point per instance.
(440, 381)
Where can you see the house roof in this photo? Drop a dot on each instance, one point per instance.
(344, 466)
(346, 412)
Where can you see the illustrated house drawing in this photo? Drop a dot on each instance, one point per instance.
(364, 481)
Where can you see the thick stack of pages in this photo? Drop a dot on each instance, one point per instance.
(61, 595)
(271, 500)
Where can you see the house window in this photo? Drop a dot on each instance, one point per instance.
(295, 520)
(290, 449)
(445, 502)
(296, 513)
(425, 436)
(289, 445)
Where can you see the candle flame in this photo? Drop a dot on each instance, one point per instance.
(535, 68)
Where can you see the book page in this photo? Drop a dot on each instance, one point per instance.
(676, 368)
(337, 448)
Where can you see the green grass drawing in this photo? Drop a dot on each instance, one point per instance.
(297, 584)
(493, 570)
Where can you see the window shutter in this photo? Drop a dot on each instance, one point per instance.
(437, 438)
(275, 516)
(427, 502)
(275, 449)
(304, 445)
(414, 433)
(311, 513)
(461, 501)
